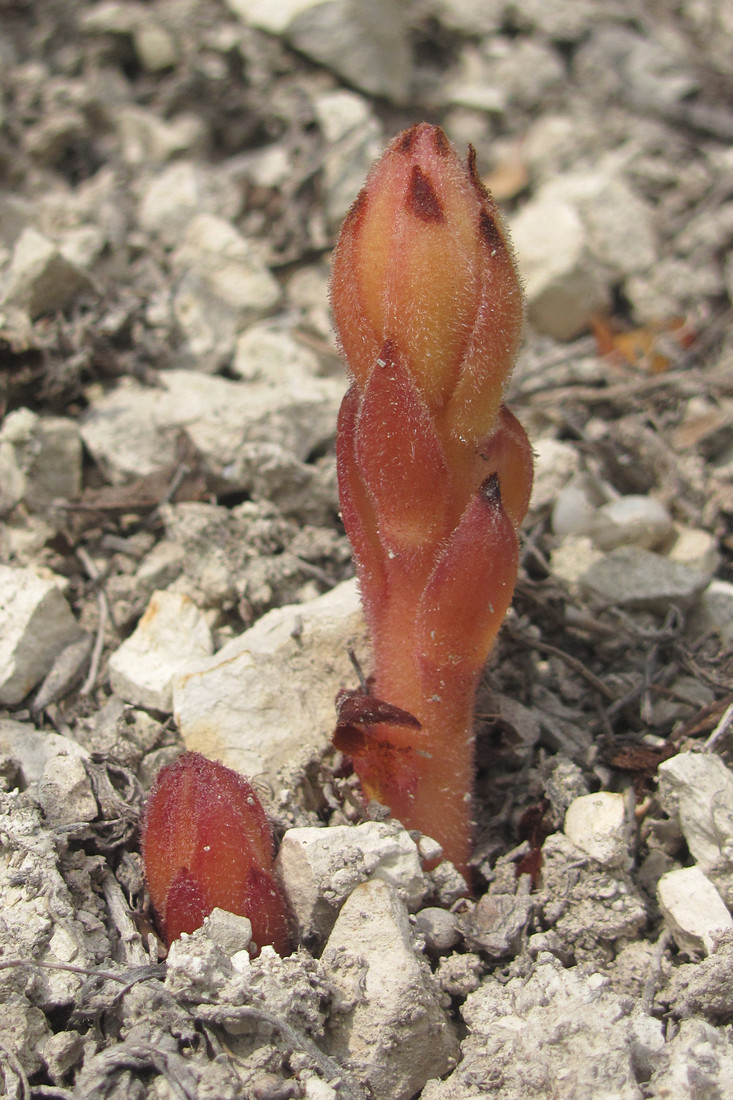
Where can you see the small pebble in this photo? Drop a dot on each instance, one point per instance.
(439, 929)
(693, 909)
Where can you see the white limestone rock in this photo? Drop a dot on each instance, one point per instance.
(65, 790)
(698, 1052)
(40, 279)
(39, 917)
(696, 789)
(34, 751)
(181, 191)
(576, 505)
(630, 520)
(564, 283)
(715, 611)
(171, 635)
(366, 44)
(148, 139)
(40, 459)
(223, 285)
(265, 701)
(354, 139)
(555, 463)
(599, 824)
(387, 1020)
(132, 430)
(693, 909)
(36, 623)
(319, 868)
(629, 576)
(583, 233)
(229, 931)
(554, 1028)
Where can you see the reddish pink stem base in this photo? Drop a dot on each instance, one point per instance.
(436, 583)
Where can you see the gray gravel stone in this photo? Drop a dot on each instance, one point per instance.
(36, 623)
(548, 1026)
(388, 1021)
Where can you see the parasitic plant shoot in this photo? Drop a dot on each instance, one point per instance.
(434, 471)
(207, 844)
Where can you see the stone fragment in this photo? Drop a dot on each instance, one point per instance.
(60, 1052)
(563, 782)
(448, 884)
(161, 566)
(181, 191)
(715, 611)
(265, 701)
(40, 279)
(564, 283)
(229, 931)
(697, 1049)
(268, 353)
(36, 623)
(387, 1021)
(34, 750)
(693, 909)
(460, 975)
(576, 505)
(222, 286)
(155, 47)
(694, 547)
(366, 44)
(439, 929)
(630, 577)
(551, 1028)
(132, 430)
(172, 635)
(317, 1089)
(573, 558)
(23, 1029)
(702, 987)
(556, 463)
(148, 139)
(39, 917)
(696, 789)
(630, 520)
(40, 459)
(599, 825)
(618, 224)
(319, 868)
(586, 905)
(497, 923)
(583, 233)
(65, 791)
(354, 138)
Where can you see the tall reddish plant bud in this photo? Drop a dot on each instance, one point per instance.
(434, 471)
(207, 844)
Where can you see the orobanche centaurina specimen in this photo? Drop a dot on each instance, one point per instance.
(206, 843)
(434, 471)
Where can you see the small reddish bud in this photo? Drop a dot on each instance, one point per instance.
(207, 844)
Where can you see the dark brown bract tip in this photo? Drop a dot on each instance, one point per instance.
(474, 177)
(490, 232)
(490, 490)
(422, 200)
(440, 141)
(408, 138)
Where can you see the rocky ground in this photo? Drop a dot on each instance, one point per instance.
(173, 569)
